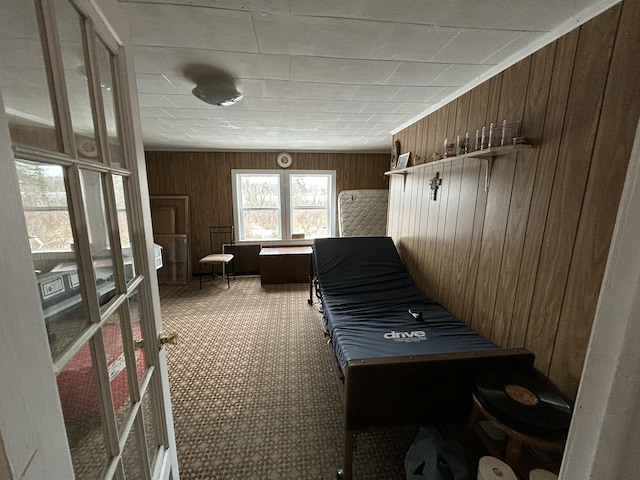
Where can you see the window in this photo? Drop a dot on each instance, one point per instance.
(44, 199)
(275, 204)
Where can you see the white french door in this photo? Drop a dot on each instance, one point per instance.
(85, 386)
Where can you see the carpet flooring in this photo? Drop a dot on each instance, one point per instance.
(253, 391)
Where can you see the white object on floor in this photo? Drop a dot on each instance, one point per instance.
(491, 468)
(539, 474)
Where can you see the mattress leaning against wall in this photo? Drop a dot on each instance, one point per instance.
(363, 213)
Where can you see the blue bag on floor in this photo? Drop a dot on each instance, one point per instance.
(430, 457)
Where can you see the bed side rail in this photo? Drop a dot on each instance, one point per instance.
(421, 389)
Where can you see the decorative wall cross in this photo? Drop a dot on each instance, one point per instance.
(435, 183)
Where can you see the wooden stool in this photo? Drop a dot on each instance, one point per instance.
(502, 395)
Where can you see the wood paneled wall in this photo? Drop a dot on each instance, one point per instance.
(523, 262)
(206, 178)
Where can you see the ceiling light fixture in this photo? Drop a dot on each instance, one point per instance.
(216, 93)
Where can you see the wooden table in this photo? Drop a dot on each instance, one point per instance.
(286, 265)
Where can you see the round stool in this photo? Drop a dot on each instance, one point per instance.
(526, 410)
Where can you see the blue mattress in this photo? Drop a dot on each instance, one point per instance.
(367, 293)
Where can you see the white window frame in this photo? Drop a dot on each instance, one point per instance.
(286, 212)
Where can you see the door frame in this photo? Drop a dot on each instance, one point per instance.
(33, 442)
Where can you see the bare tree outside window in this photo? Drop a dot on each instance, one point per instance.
(274, 204)
(260, 197)
(310, 205)
(45, 206)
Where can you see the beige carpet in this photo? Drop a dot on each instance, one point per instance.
(254, 396)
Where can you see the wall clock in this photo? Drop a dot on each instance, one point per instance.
(284, 160)
(87, 148)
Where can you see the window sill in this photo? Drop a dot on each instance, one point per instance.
(276, 243)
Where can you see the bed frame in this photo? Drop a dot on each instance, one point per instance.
(418, 390)
(422, 389)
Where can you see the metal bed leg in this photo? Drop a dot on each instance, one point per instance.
(346, 472)
(311, 276)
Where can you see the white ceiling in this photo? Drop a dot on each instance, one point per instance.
(317, 75)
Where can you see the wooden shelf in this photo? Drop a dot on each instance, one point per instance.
(487, 154)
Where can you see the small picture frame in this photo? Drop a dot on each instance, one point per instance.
(403, 160)
(395, 148)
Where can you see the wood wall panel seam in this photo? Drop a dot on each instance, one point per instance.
(451, 221)
(548, 157)
(463, 235)
(514, 80)
(416, 225)
(442, 200)
(524, 180)
(424, 225)
(476, 246)
(482, 311)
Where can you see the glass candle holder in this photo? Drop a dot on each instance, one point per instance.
(462, 144)
(449, 148)
(510, 130)
(495, 136)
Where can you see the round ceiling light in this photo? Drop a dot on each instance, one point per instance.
(216, 93)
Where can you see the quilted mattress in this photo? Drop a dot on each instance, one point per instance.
(363, 213)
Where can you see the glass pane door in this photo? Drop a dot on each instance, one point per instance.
(99, 239)
(24, 78)
(73, 44)
(80, 202)
(46, 210)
